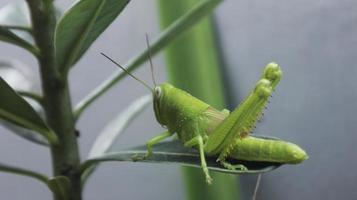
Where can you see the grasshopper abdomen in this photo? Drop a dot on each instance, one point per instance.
(271, 150)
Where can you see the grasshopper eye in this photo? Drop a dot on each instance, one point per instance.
(157, 92)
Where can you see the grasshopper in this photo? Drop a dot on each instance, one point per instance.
(222, 134)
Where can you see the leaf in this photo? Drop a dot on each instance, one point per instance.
(15, 74)
(25, 133)
(60, 185)
(17, 14)
(114, 128)
(7, 36)
(182, 24)
(81, 25)
(23, 172)
(16, 110)
(174, 152)
(15, 26)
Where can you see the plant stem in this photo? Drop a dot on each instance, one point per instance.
(193, 65)
(56, 98)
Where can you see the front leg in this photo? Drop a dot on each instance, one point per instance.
(198, 140)
(156, 140)
(151, 143)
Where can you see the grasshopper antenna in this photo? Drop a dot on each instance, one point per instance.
(126, 71)
(151, 65)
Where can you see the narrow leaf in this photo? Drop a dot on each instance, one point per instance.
(81, 25)
(16, 75)
(114, 128)
(16, 16)
(23, 172)
(179, 26)
(15, 26)
(15, 109)
(20, 78)
(174, 152)
(25, 133)
(10, 37)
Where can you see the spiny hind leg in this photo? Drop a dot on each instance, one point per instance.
(241, 121)
(198, 140)
(150, 144)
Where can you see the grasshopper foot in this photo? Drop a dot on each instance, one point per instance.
(233, 167)
(149, 145)
(138, 157)
(208, 180)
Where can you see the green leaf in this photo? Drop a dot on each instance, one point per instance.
(16, 110)
(179, 26)
(7, 36)
(59, 185)
(174, 152)
(16, 17)
(23, 172)
(25, 133)
(81, 25)
(15, 26)
(115, 127)
(16, 75)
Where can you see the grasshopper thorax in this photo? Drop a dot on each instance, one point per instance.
(174, 107)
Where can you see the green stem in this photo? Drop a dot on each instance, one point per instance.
(193, 65)
(24, 172)
(56, 98)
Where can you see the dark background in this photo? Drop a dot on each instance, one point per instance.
(314, 106)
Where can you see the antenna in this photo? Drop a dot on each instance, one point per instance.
(126, 71)
(151, 65)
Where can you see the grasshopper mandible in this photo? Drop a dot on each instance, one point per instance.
(217, 133)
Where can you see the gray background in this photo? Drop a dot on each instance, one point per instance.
(315, 43)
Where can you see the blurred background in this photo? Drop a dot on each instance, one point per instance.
(314, 106)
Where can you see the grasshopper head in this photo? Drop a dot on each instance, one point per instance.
(158, 93)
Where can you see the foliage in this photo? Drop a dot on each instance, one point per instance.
(58, 43)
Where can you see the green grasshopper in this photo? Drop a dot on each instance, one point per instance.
(217, 133)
